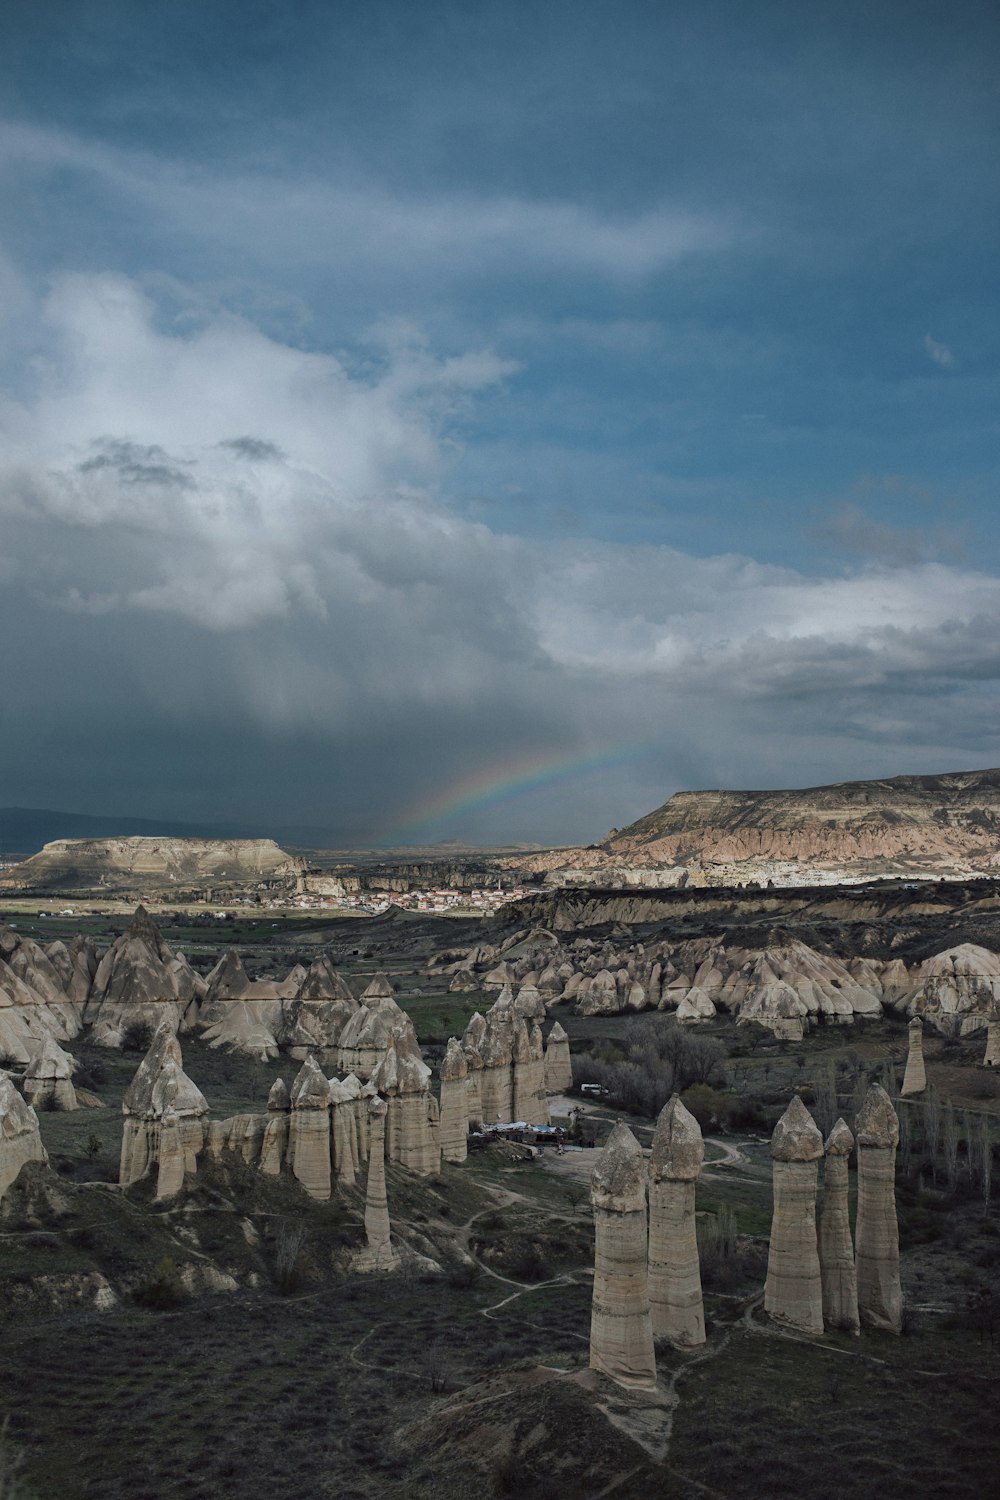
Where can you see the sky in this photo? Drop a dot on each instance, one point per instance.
(451, 421)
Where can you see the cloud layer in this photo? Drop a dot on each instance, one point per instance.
(242, 553)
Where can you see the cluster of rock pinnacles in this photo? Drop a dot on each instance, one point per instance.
(647, 1278)
(323, 1129)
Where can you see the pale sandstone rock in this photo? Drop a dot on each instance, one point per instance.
(602, 997)
(379, 1254)
(915, 1077)
(138, 979)
(309, 1146)
(379, 988)
(344, 1131)
(454, 1075)
(499, 978)
(364, 1039)
(245, 1026)
(880, 1297)
(695, 1006)
(529, 1003)
(48, 1078)
(278, 1097)
(794, 1291)
(170, 1167)
(621, 1332)
(836, 1249)
(558, 1067)
(160, 1083)
(956, 989)
(463, 983)
(20, 1139)
(675, 1297)
(496, 1050)
(991, 1058)
(529, 1102)
(471, 1038)
(412, 1125)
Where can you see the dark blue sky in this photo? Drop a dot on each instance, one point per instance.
(620, 385)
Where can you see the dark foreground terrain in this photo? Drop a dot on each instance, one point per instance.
(221, 1346)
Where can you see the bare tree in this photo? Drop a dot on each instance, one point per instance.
(949, 1143)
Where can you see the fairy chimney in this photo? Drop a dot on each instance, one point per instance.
(675, 1298)
(793, 1293)
(621, 1331)
(880, 1296)
(836, 1249)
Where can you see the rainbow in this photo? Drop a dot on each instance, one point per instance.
(487, 786)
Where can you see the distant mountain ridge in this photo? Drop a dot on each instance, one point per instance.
(948, 822)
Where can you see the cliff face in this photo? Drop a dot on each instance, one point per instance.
(124, 864)
(935, 823)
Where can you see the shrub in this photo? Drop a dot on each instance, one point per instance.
(164, 1288)
(137, 1036)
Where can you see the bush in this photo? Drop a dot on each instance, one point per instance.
(659, 1058)
(706, 1104)
(164, 1288)
(137, 1036)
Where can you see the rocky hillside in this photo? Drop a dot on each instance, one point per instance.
(128, 865)
(907, 825)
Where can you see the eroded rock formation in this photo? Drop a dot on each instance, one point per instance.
(20, 1140)
(675, 1298)
(915, 1076)
(378, 1254)
(160, 1084)
(621, 1333)
(558, 1067)
(794, 1293)
(836, 1250)
(454, 1075)
(880, 1297)
(48, 1078)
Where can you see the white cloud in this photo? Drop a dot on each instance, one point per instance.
(939, 353)
(300, 220)
(286, 513)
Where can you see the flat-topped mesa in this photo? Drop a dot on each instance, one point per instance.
(309, 1146)
(836, 1249)
(915, 1077)
(20, 1139)
(413, 1122)
(378, 1254)
(496, 1050)
(454, 1075)
(558, 1066)
(621, 1332)
(529, 1102)
(48, 1078)
(675, 1297)
(160, 1083)
(880, 1296)
(793, 1293)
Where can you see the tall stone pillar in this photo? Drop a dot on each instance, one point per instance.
(992, 1057)
(836, 1249)
(793, 1293)
(675, 1298)
(471, 1038)
(915, 1077)
(529, 1102)
(558, 1068)
(275, 1143)
(621, 1332)
(379, 1254)
(880, 1296)
(454, 1127)
(309, 1137)
(170, 1170)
